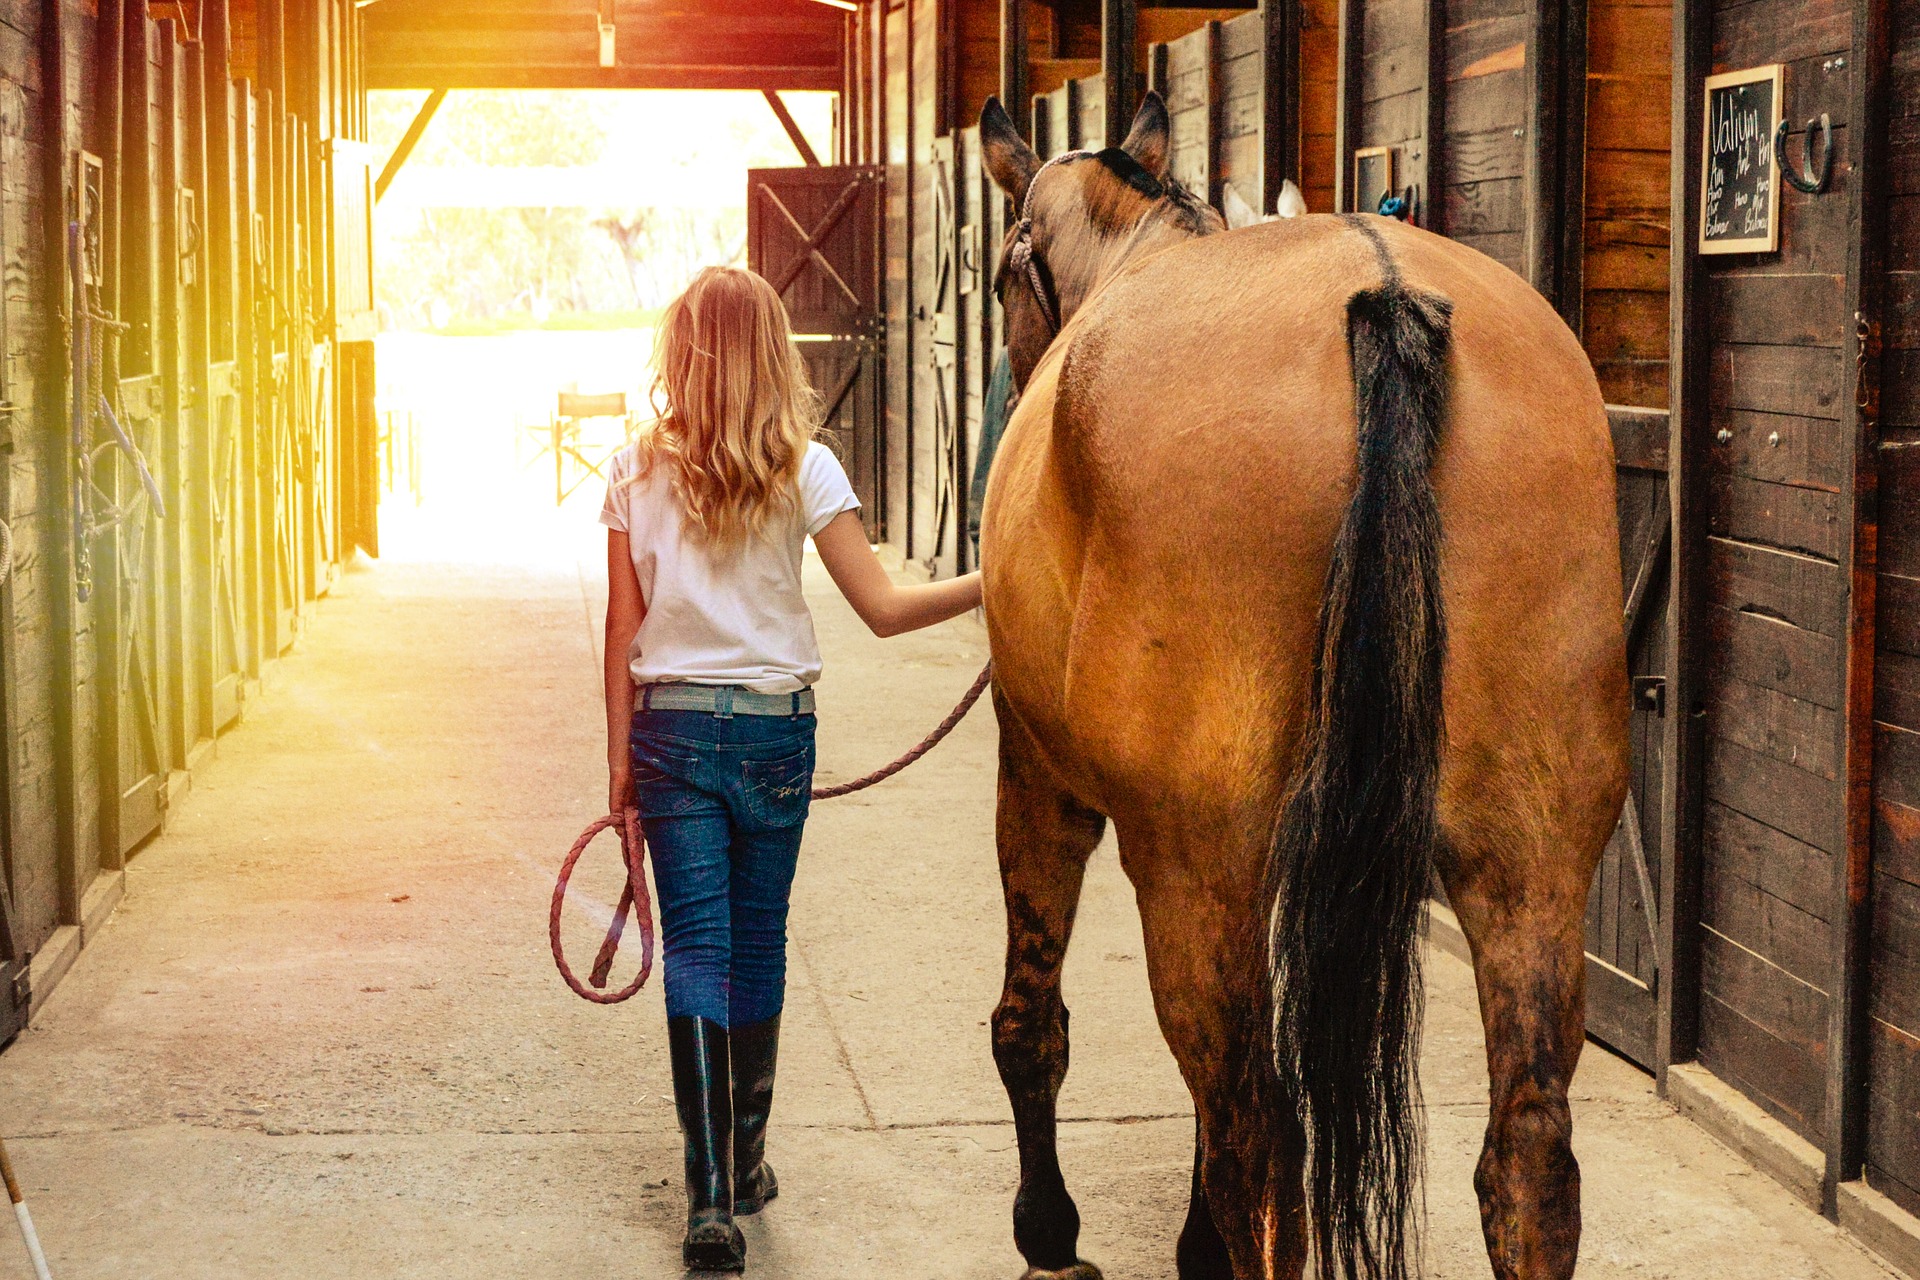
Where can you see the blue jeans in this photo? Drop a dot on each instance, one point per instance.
(723, 800)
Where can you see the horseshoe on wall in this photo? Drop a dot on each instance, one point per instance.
(1815, 177)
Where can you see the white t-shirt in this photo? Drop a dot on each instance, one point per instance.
(733, 618)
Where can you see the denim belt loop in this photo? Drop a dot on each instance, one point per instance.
(723, 702)
(646, 697)
(796, 706)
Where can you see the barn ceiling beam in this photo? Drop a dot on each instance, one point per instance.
(603, 44)
(469, 76)
(792, 127)
(408, 141)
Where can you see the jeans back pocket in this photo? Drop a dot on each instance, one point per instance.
(779, 792)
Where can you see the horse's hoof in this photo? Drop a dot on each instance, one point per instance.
(1080, 1270)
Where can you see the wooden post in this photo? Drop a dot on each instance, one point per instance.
(1424, 170)
(1346, 119)
(136, 194)
(1119, 24)
(63, 532)
(1848, 1007)
(792, 127)
(249, 347)
(1683, 741)
(1280, 99)
(216, 195)
(1555, 157)
(1015, 58)
(1216, 105)
(408, 141)
(173, 674)
(109, 111)
(204, 472)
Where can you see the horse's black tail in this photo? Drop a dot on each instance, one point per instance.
(1352, 858)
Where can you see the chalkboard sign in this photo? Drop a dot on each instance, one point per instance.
(1740, 188)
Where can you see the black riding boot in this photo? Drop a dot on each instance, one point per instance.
(754, 1050)
(701, 1075)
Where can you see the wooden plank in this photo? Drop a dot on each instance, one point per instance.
(1776, 725)
(1795, 589)
(1781, 448)
(1779, 515)
(1780, 31)
(1639, 437)
(1893, 1158)
(1485, 103)
(1897, 628)
(1477, 157)
(1782, 1078)
(1787, 310)
(1777, 379)
(1628, 112)
(1734, 845)
(1896, 689)
(1777, 655)
(1617, 323)
(1483, 208)
(1788, 799)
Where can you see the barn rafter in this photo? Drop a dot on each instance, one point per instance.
(604, 44)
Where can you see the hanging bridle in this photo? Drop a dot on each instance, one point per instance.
(1021, 257)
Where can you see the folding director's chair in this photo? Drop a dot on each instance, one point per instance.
(575, 441)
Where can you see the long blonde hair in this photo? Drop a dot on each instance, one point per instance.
(736, 410)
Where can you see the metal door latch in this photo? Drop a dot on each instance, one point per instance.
(1650, 694)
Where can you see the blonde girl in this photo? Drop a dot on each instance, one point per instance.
(710, 662)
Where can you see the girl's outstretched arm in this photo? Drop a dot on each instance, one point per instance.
(624, 612)
(883, 604)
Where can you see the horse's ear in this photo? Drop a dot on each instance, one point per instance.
(1010, 162)
(1147, 142)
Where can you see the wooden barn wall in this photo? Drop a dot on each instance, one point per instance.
(1893, 1027)
(1777, 598)
(1480, 187)
(1385, 104)
(1625, 263)
(129, 628)
(1319, 75)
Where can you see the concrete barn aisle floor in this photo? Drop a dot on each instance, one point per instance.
(322, 1037)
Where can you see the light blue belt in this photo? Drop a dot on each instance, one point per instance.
(724, 700)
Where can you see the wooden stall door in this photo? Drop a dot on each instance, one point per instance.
(319, 474)
(133, 761)
(279, 490)
(946, 359)
(814, 233)
(226, 413)
(1622, 906)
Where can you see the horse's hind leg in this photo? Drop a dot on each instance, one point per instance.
(1045, 837)
(1526, 925)
(1202, 1251)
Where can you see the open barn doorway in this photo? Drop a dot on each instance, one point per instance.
(523, 254)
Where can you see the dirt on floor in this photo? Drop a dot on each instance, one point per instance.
(323, 1038)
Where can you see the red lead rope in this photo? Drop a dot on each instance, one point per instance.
(633, 846)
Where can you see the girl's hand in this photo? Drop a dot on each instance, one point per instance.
(619, 788)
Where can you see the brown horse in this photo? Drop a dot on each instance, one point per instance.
(1302, 569)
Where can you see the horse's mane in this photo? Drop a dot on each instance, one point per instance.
(1190, 211)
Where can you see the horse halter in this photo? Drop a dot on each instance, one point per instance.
(1020, 254)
